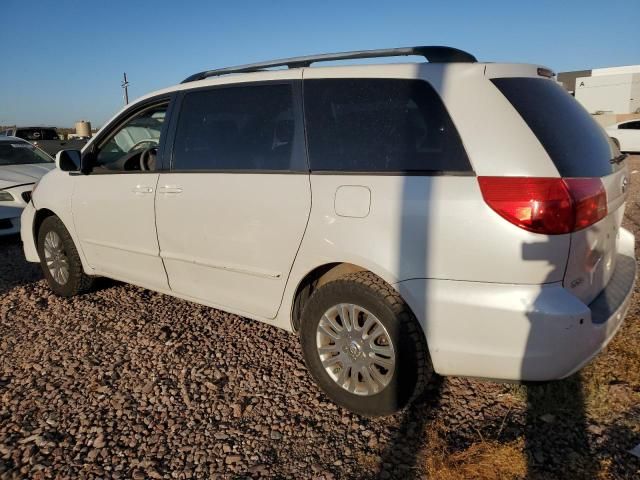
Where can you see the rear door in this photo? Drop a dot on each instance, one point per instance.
(232, 212)
(579, 148)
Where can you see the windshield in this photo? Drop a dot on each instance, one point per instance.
(18, 153)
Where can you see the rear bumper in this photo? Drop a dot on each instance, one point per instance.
(519, 332)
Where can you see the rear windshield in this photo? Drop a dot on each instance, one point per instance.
(578, 146)
(20, 153)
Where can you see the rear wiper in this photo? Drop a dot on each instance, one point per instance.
(619, 158)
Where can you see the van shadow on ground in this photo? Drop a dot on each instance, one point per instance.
(14, 269)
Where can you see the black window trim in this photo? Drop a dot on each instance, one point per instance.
(123, 118)
(398, 173)
(296, 85)
(623, 125)
(390, 173)
(167, 143)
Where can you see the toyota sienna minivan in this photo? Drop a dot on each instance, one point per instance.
(446, 217)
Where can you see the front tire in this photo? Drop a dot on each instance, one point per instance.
(59, 259)
(363, 345)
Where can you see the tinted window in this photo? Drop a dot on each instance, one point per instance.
(577, 145)
(122, 150)
(18, 153)
(238, 128)
(380, 125)
(630, 126)
(29, 133)
(48, 134)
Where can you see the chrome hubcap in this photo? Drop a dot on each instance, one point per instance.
(55, 257)
(355, 349)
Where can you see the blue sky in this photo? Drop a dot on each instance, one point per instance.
(63, 59)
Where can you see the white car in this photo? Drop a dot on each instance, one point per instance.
(21, 165)
(626, 135)
(454, 217)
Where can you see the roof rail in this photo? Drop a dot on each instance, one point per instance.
(433, 54)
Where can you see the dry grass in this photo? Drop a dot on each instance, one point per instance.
(610, 382)
(487, 460)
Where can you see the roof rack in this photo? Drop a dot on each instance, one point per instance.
(433, 54)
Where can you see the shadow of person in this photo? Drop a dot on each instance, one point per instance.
(432, 147)
(402, 453)
(556, 435)
(14, 269)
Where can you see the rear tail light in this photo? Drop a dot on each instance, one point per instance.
(552, 206)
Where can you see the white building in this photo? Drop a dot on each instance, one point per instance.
(611, 90)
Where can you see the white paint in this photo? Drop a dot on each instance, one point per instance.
(352, 201)
(243, 242)
(609, 93)
(628, 138)
(116, 227)
(231, 238)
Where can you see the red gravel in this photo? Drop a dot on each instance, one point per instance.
(127, 383)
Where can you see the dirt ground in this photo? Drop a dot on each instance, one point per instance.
(127, 383)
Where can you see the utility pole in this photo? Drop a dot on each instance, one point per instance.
(125, 85)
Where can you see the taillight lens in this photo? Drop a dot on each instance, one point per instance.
(552, 206)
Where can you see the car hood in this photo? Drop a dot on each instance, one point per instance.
(12, 175)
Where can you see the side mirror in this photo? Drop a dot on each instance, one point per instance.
(68, 160)
(87, 161)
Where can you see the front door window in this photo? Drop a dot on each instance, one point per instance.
(134, 145)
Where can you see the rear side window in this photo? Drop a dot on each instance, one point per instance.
(49, 134)
(380, 125)
(239, 128)
(577, 145)
(630, 125)
(29, 133)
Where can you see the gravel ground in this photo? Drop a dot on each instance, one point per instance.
(127, 383)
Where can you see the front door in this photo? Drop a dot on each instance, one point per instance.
(113, 205)
(232, 212)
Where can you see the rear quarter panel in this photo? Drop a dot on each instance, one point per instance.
(423, 227)
(438, 227)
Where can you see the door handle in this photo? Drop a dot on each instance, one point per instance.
(175, 189)
(142, 189)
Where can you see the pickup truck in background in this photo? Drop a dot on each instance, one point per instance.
(45, 138)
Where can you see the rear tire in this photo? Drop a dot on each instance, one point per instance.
(345, 358)
(60, 261)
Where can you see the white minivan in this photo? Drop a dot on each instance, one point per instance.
(450, 216)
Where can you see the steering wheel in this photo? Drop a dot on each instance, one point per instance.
(142, 142)
(148, 159)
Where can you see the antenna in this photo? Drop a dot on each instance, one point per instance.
(125, 85)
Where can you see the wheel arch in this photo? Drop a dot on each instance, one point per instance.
(39, 217)
(317, 277)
